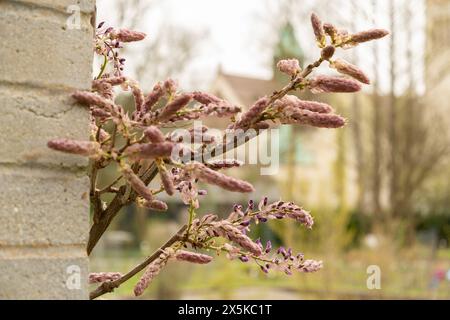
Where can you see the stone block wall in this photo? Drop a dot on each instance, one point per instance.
(45, 54)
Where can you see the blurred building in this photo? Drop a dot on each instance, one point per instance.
(438, 46)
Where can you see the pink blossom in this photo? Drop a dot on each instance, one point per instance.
(104, 89)
(89, 98)
(83, 148)
(156, 205)
(310, 266)
(333, 84)
(318, 30)
(104, 276)
(315, 119)
(125, 35)
(149, 150)
(192, 257)
(137, 184)
(167, 181)
(153, 97)
(252, 114)
(153, 269)
(349, 69)
(224, 164)
(114, 80)
(172, 107)
(227, 230)
(138, 96)
(330, 30)
(205, 98)
(293, 102)
(170, 86)
(210, 176)
(100, 113)
(154, 135)
(291, 67)
(368, 35)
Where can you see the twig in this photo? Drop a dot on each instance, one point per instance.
(94, 195)
(99, 227)
(111, 285)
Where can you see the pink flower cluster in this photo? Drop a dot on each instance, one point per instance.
(100, 277)
(235, 229)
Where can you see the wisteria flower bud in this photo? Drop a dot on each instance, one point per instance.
(224, 164)
(315, 119)
(291, 103)
(222, 109)
(291, 67)
(100, 113)
(311, 266)
(153, 270)
(264, 125)
(228, 230)
(192, 257)
(82, 148)
(104, 89)
(196, 135)
(331, 31)
(90, 98)
(104, 276)
(138, 95)
(205, 98)
(268, 246)
(301, 216)
(349, 69)
(149, 150)
(264, 269)
(210, 176)
(154, 135)
(156, 205)
(125, 35)
(243, 258)
(167, 180)
(252, 114)
(136, 183)
(368, 35)
(171, 108)
(114, 81)
(327, 52)
(282, 209)
(333, 84)
(170, 86)
(153, 97)
(318, 30)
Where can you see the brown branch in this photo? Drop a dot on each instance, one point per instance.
(99, 227)
(94, 196)
(111, 285)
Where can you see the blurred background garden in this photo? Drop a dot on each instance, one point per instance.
(379, 189)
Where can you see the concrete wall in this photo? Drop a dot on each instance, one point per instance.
(43, 194)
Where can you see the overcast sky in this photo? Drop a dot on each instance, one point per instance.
(239, 32)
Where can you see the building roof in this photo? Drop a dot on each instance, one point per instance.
(241, 90)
